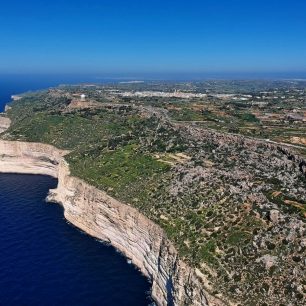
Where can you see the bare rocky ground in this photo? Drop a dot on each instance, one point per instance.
(4, 123)
(239, 207)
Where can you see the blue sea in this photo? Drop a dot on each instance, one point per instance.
(46, 261)
(43, 259)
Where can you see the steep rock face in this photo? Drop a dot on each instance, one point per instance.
(4, 123)
(101, 216)
(29, 158)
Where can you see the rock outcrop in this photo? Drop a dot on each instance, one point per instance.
(29, 158)
(124, 227)
(4, 123)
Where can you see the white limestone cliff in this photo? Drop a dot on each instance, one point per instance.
(103, 217)
(4, 123)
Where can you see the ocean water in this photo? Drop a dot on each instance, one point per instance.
(46, 261)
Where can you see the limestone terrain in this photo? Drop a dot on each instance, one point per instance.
(232, 206)
(4, 123)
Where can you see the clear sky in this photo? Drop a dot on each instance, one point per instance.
(152, 36)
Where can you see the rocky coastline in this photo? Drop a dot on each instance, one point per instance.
(103, 217)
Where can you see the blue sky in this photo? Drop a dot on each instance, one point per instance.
(152, 36)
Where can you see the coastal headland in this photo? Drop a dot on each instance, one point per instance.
(199, 189)
(103, 217)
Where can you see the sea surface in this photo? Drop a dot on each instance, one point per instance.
(46, 261)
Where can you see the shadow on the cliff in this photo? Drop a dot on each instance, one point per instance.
(170, 288)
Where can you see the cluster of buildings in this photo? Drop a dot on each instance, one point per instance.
(175, 94)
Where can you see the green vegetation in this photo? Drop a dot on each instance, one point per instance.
(248, 117)
(119, 171)
(238, 237)
(186, 114)
(207, 252)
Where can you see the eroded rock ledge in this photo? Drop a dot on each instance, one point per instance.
(101, 216)
(4, 123)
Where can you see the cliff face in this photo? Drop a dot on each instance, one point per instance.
(4, 123)
(101, 216)
(29, 158)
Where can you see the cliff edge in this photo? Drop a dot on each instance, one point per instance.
(103, 217)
